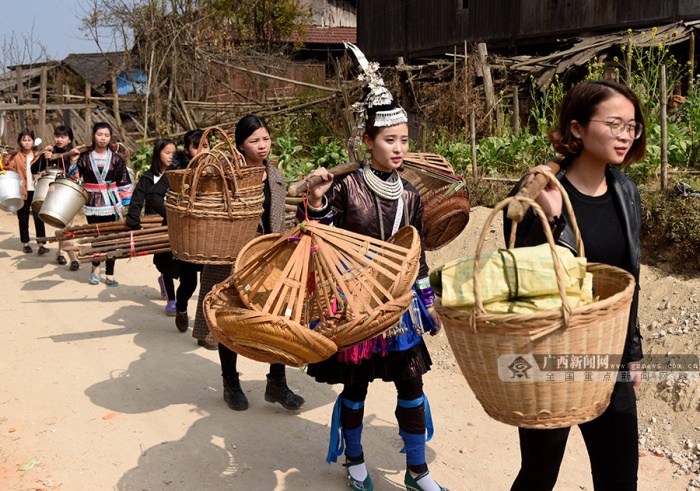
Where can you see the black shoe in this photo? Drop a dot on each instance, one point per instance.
(74, 266)
(277, 391)
(234, 396)
(43, 250)
(26, 249)
(61, 260)
(182, 322)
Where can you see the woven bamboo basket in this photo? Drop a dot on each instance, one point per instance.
(479, 340)
(300, 296)
(216, 208)
(261, 336)
(445, 215)
(444, 195)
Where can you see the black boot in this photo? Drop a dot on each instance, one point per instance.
(234, 396)
(277, 391)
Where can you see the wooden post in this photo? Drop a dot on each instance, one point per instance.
(488, 81)
(88, 113)
(516, 111)
(115, 101)
(20, 93)
(472, 129)
(42, 104)
(664, 135)
(66, 112)
(454, 63)
(423, 136)
(466, 95)
(691, 63)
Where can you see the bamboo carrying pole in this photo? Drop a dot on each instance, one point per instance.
(300, 187)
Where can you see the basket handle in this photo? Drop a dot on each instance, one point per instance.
(527, 202)
(226, 142)
(195, 183)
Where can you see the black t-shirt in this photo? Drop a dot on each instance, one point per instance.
(601, 229)
(266, 208)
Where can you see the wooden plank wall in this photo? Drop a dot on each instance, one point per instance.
(393, 28)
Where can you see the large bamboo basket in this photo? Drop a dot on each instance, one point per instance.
(444, 194)
(214, 206)
(480, 339)
(314, 282)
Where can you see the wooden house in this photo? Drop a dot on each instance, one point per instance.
(418, 28)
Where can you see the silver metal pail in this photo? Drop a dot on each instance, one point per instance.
(63, 200)
(41, 187)
(10, 191)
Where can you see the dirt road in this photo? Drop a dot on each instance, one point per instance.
(101, 392)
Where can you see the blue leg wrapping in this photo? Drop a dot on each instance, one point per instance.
(336, 445)
(414, 446)
(409, 404)
(353, 441)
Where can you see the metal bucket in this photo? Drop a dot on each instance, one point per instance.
(41, 187)
(10, 191)
(63, 200)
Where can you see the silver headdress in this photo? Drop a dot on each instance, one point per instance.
(378, 96)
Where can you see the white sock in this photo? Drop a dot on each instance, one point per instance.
(358, 471)
(427, 483)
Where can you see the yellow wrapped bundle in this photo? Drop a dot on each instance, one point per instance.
(521, 280)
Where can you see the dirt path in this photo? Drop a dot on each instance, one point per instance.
(100, 392)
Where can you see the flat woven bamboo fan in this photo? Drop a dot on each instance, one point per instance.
(445, 197)
(344, 287)
(490, 348)
(215, 205)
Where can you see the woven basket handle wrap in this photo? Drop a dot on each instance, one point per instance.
(517, 209)
(565, 308)
(550, 177)
(225, 142)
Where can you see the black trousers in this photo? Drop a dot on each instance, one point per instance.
(188, 284)
(109, 263)
(23, 218)
(228, 364)
(611, 442)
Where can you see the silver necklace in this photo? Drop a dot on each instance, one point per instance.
(390, 189)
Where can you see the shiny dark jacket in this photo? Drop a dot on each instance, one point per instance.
(354, 207)
(626, 196)
(148, 193)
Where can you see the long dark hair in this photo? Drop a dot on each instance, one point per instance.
(246, 126)
(580, 104)
(156, 164)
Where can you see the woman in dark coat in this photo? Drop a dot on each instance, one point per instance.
(600, 127)
(254, 142)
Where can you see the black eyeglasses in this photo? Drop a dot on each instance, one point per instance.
(618, 126)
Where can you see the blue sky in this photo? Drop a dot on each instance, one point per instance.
(56, 24)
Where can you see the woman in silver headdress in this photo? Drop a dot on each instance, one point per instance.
(375, 201)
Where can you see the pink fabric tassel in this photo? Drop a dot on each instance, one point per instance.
(364, 351)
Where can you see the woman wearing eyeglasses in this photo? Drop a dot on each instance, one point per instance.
(600, 127)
